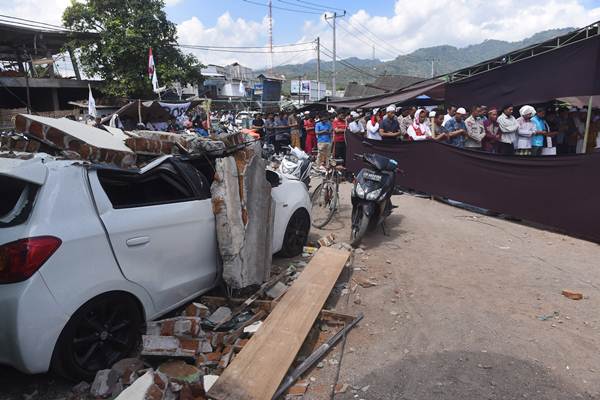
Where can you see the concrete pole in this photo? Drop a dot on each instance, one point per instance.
(334, 56)
(318, 68)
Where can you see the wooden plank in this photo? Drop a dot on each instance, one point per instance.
(257, 371)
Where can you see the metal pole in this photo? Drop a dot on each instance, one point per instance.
(333, 69)
(318, 68)
(270, 37)
(587, 125)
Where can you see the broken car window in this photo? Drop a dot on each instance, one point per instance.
(159, 186)
(16, 200)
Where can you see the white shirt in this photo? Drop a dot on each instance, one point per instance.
(425, 133)
(356, 127)
(373, 131)
(526, 130)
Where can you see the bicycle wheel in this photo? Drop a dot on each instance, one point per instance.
(324, 203)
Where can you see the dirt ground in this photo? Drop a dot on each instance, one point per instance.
(457, 307)
(455, 313)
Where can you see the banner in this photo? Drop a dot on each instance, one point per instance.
(175, 109)
(561, 192)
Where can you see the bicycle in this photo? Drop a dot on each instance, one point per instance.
(326, 196)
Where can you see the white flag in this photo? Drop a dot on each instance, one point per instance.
(154, 81)
(242, 89)
(91, 103)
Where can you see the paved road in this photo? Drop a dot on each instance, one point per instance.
(455, 312)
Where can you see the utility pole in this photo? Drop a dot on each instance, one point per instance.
(334, 17)
(433, 60)
(318, 68)
(270, 36)
(373, 52)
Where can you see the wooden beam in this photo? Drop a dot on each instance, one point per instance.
(257, 371)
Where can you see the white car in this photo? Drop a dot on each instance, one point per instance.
(88, 253)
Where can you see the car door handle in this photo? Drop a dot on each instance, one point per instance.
(137, 241)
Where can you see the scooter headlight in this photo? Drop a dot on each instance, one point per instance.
(360, 192)
(287, 168)
(374, 195)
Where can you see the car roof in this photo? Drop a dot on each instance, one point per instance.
(30, 167)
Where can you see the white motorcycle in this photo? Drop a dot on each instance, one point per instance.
(296, 165)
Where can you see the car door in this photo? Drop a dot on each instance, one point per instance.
(162, 233)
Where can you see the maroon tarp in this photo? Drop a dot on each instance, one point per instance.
(572, 70)
(560, 192)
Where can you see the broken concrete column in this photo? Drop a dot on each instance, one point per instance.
(244, 212)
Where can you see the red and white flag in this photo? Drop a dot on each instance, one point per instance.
(150, 64)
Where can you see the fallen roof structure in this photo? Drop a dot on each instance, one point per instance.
(564, 66)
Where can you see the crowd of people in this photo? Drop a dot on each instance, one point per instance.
(526, 131)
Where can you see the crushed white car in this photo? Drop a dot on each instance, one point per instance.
(90, 252)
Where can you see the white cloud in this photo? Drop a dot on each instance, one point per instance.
(424, 23)
(238, 33)
(49, 11)
(171, 3)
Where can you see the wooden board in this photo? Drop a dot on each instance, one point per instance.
(257, 371)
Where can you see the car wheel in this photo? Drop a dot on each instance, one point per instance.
(296, 234)
(103, 331)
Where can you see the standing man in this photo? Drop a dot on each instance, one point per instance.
(526, 130)
(407, 120)
(311, 137)
(339, 137)
(389, 127)
(355, 125)
(258, 124)
(270, 129)
(282, 133)
(492, 132)
(475, 129)
(457, 130)
(508, 131)
(450, 111)
(438, 132)
(323, 130)
(294, 130)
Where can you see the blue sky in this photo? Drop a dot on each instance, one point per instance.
(288, 24)
(393, 27)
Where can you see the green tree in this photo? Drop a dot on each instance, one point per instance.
(126, 29)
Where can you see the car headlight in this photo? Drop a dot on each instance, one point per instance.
(374, 194)
(360, 192)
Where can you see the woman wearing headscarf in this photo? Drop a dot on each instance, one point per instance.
(419, 130)
(526, 130)
(508, 131)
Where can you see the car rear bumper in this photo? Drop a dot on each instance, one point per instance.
(30, 323)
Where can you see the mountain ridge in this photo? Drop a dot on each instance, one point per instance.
(447, 58)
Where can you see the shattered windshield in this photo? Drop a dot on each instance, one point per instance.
(16, 200)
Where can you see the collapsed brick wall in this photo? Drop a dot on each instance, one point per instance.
(244, 213)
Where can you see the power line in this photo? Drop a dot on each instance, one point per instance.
(248, 47)
(281, 8)
(321, 6)
(55, 27)
(370, 43)
(201, 48)
(305, 7)
(375, 36)
(329, 54)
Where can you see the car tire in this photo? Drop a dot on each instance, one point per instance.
(101, 332)
(296, 234)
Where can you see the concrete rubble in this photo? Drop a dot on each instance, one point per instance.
(183, 356)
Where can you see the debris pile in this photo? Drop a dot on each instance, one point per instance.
(183, 356)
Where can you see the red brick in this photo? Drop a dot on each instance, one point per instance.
(167, 327)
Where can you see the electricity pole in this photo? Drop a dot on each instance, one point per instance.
(270, 36)
(334, 17)
(318, 68)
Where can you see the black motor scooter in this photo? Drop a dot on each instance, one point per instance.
(371, 194)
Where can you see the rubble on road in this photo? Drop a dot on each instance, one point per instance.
(183, 356)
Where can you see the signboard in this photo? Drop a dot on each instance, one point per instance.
(300, 86)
